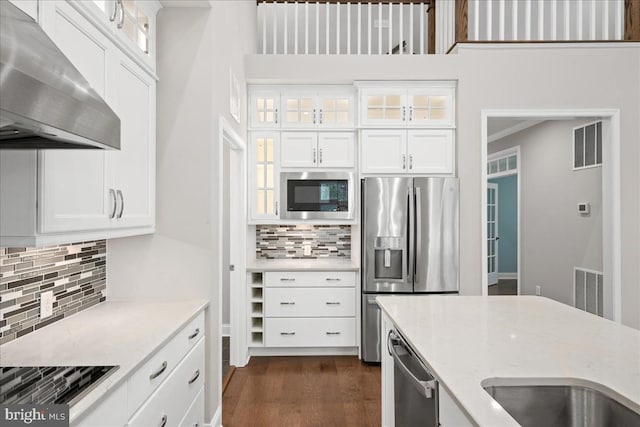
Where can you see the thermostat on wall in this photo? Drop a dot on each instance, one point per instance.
(584, 208)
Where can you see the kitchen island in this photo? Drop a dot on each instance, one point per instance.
(468, 342)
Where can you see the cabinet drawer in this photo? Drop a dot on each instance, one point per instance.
(195, 415)
(149, 376)
(309, 278)
(310, 302)
(172, 399)
(310, 332)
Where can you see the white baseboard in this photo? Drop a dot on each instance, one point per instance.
(216, 421)
(310, 351)
(507, 276)
(226, 330)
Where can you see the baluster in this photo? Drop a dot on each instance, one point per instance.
(423, 16)
(390, 27)
(501, 7)
(514, 19)
(296, 6)
(306, 28)
(592, 29)
(527, 20)
(317, 28)
(489, 20)
(326, 28)
(540, 19)
(359, 38)
(619, 20)
(476, 19)
(401, 15)
(567, 20)
(554, 19)
(605, 21)
(285, 39)
(337, 28)
(264, 27)
(579, 16)
(369, 28)
(379, 28)
(348, 28)
(275, 30)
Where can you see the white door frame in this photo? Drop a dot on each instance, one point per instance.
(237, 251)
(611, 196)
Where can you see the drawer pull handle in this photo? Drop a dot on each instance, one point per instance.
(334, 333)
(287, 333)
(194, 334)
(195, 377)
(287, 303)
(287, 279)
(333, 279)
(164, 421)
(333, 303)
(159, 371)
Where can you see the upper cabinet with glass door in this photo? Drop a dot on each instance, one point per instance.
(264, 110)
(431, 104)
(133, 24)
(314, 108)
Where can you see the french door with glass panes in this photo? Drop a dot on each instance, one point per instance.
(492, 233)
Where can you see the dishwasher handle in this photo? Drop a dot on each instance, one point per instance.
(426, 388)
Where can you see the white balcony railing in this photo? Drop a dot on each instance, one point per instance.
(342, 28)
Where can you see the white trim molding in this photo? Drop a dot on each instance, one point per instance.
(507, 276)
(611, 198)
(216, 421)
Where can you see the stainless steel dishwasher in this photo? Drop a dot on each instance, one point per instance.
(415, 389)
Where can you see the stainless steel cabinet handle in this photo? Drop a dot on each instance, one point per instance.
(321, 123)
(287, 333)
(333, 279)
(425, 387)
(287, 279)
(404, 113)
(163, 422)
(333, 303)
(320, 158)
(121, 20)
(287, 303)
(115, 12)
(194, 334)
(275, 115)
(314, 120)
(404, 161)
(112, 193)
(119, 193)
(159, 371)
(411, 161)
(195, 377)
(314, 156)
(410, 113)
(334, 333)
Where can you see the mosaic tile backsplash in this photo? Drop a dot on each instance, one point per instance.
(288, 241)
(76, 273)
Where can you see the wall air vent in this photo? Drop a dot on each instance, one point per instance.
(587, 290)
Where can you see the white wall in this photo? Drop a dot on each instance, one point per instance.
(516, 77)
(196, 49)
(555, 238)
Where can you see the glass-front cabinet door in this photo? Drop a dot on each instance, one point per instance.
(383, 106)
(265, 176)
(300, 110)
(336, 110)
(264, 109)
(431, 107)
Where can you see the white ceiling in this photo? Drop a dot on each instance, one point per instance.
(500, 127)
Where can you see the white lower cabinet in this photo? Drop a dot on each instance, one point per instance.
(309, 309)
(195, 415)
(111, 412)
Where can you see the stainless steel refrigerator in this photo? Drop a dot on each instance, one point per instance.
(409, 244)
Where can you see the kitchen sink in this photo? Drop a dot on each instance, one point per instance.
(554, 404)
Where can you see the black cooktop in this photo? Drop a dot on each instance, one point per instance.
(49, 384)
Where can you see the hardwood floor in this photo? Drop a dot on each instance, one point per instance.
(504, 287)
(303, 391)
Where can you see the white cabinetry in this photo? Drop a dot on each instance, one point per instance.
(264, 109)
(424, 151)
(88, 194)
(310, 309)
(264, 175)
(317, 149)
(428, 105)
(318, 108)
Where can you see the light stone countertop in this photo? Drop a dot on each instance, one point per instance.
(465, 340)
(124, 334)
(320, 264)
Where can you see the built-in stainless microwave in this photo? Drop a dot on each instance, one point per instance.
(317, 195)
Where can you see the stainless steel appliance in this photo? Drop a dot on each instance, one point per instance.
(317, 195)
(44, 100)
(409, 244)
(415, 390)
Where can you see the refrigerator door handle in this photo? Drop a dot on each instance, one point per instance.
(418, 227)
(411, 235)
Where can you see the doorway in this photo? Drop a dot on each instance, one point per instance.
(606, 201)
(232, 248)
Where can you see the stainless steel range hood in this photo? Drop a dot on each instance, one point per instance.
(44, 100)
